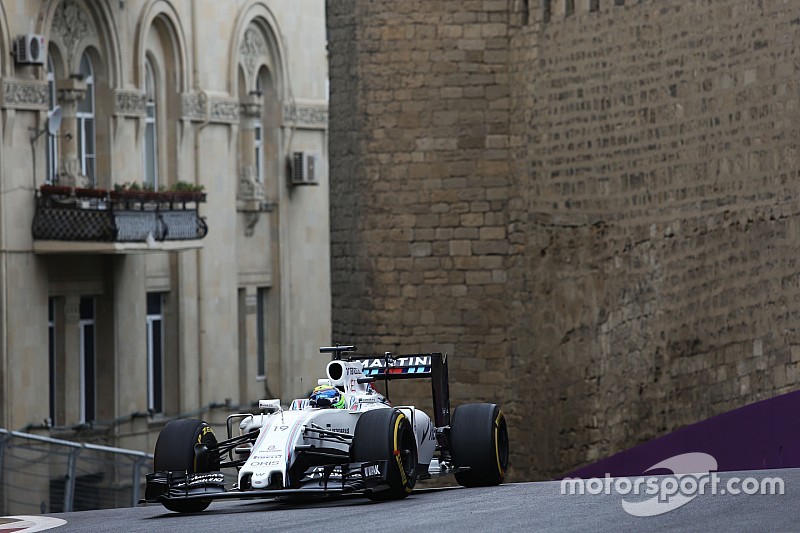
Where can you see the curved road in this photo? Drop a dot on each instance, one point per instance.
(523, 506)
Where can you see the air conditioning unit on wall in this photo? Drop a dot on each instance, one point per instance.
(304, 168)
(30, 49)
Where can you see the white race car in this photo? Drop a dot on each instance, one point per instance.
(346, 438)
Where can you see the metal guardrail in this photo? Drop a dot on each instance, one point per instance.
(46, 475)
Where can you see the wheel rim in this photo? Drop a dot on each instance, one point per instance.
(404, 448)
(501, 443)
(407, 455)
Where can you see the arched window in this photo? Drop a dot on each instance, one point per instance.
(86, 122)
(52, 140)
(151, 130)
(258, 128)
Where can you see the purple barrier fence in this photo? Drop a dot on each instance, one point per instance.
(763, 435)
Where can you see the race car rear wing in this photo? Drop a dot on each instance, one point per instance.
(410, 366)
(418, 365)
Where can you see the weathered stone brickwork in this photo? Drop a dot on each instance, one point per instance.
(596, 213)
(421, 182)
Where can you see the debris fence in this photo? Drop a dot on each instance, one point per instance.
(46, 475)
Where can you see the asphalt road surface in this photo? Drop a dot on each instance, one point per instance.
(513, 507)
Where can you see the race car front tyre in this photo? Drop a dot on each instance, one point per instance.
(386, 435)
(479, 440)
(175, 452)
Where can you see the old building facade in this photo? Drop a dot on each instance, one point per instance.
(592, 205)
(120, 310)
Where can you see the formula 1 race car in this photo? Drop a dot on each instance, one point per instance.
(346, 438)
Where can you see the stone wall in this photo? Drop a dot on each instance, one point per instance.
(595, 213)
(420, 182)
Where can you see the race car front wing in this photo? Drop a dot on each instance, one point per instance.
(345, 478)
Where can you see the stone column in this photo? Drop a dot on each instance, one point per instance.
(130, 350)
(70, 92)
(249, 187)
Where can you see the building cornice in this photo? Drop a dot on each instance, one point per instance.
(27, 94)
(306, 115)
(223, 110)
(130, 103)
(198, 107)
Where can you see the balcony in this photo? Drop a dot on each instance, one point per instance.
(69, 220)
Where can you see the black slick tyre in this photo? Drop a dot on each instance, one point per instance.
(386, 434)
(479, 440)
(175, 453)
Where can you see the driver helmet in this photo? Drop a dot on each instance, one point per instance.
(327, 396)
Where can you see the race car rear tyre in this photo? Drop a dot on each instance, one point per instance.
(175, 452)
(386, 434)
(479, 440)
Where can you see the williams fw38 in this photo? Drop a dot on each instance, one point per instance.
(345, 438)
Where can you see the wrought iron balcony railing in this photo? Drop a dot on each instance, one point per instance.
(64, 214)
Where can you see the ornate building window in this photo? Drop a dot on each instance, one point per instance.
(261, 332)
(155, 352)
(88, 346)
(52, 140)
(86, 123)
(258, 127)
(151, 129)
(51, 357)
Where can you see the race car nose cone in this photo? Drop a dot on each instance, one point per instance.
(264, 480)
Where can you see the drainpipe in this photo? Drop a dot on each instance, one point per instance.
(5, 381)
(198, 129)
(202, 318)
(5, 394)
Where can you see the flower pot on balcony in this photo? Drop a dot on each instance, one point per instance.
(129, 195)
(55, 190)
(189, 196)
(91, 193)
